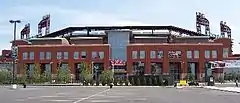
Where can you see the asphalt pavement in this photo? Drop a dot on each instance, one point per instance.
(115, 95)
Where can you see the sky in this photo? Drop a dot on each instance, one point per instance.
(65, 13)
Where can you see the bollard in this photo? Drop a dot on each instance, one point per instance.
(175, 84)
(24, 85)
(111, 85)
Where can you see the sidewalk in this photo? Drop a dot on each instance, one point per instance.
(225, 89)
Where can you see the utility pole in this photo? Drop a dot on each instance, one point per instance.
(14, 49)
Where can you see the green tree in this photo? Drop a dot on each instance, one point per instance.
(36, 73)
(150, 81)
(5, 76)
(144, 81)
(106, 77)
(160, 78)
(132, 80)
(46, 76)
(63, 75)
(85, 73)
(138, 81)
(190, 77)
(23, 77)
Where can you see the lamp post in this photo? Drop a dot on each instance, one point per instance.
(14, 47)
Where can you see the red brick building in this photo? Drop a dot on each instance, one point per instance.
(161, 50)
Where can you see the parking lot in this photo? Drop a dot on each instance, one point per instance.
(115, 95)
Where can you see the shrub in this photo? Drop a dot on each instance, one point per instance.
(5, 76)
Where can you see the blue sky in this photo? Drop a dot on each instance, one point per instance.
(66, 13)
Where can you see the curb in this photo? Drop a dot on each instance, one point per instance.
(222, 90)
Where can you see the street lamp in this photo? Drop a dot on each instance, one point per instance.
(13, 46)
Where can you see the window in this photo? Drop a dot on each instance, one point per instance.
(160, 54)
(189, 54)
(25, 56)
(152, 54)
(94, 55)
(83, 55)
(65, 55)
(31, 55)
(196, 54)
(48, 55)
(207, 54)
(142, 54)
(225, 52)
(214, 54)
(76, 55)
(101, 55)
(64, 66)
(134, 54)
(42, 56)
(48, 68)
(59, 55)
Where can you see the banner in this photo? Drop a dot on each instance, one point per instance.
(226, 64)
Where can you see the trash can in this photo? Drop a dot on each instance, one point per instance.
(211, 81)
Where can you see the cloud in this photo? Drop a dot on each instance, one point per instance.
(60, 18)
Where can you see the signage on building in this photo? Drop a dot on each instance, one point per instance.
(226, 64)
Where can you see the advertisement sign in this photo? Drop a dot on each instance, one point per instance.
(232, 63)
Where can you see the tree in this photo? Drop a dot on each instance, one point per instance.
(150, 81)
(36, 73)
(63, 75)
(138, 81)
(23, 77)
(85, 74)
(160, 78)
(190, 77)
(106, 77)
(46, 76)
(144, 81)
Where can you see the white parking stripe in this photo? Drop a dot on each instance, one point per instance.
(82, 99)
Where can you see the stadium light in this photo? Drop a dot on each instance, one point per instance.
(13, 46)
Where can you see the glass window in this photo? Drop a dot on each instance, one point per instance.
(101, 55)
(214, 53)
(42, 56)
(83, 54)
(48, 55)
(134, 54)
(76, 55)
(31, 56)
(64, 66)
(48, 68)
(94, 55)
(59, 55)
(207, 54)
(25, 56)
(65, 55)
(196, 54)
(153, 54)
(160, 54)
(189, 54)
(142, 54)
(225, 52)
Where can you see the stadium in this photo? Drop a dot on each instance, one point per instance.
(127, 50)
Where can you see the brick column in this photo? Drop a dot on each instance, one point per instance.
(165, 70)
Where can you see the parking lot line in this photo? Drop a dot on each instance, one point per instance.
(82, 99)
